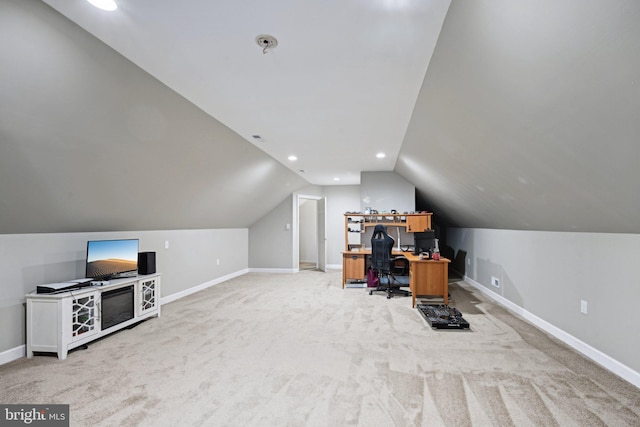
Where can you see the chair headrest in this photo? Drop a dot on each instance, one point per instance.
(379, 228)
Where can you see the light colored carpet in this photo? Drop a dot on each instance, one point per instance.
(297, 350)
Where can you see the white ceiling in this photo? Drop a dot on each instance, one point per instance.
(339, 88)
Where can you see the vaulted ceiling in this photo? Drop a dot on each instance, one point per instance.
(514, 115)
(337, 89)
(529, 117)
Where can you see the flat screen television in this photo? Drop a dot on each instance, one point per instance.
(109, 259)
(423, 241)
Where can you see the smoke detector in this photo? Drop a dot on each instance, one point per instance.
(266, 42)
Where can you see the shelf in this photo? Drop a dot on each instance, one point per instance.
(412, 222)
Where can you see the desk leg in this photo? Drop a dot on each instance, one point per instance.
(446, 283)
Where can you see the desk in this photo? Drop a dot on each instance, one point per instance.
(354, 265)
(426, 277)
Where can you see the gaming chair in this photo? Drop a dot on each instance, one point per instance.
(382, 262)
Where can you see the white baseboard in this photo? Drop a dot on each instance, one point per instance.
(13, 354)
(193, 290)
(594, 354)
(290, 270)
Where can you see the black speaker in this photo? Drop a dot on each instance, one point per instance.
(146, 262)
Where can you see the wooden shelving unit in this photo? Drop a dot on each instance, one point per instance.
(358, 223)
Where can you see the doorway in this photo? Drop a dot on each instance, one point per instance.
(308, 236)
(311, 239)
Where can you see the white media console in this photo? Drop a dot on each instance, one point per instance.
(59, 322)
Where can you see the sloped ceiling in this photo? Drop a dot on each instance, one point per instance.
(90, 142)
(343, 78)
(529, 117)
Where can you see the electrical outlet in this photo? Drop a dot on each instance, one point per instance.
(166, 244)
(218, 261)
(495, 281)
(583, 306)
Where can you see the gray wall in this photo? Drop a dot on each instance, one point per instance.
(527, 118)
(386, 188)
(270, 242)
(549, 273)
(91, 142)
(340, 199)
(27, 260)
(384, 191)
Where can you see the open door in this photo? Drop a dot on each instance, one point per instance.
(322, 234)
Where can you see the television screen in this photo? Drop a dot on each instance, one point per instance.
(110, 258)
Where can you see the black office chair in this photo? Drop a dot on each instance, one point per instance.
(382, 262)
(400, 266)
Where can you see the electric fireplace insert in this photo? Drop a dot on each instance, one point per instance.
(117, 306)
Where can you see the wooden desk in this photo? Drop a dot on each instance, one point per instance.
(426, 277)
(354, 264)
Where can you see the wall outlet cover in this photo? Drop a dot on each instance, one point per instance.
(583, 307)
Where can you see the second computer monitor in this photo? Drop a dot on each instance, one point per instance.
(424, 241)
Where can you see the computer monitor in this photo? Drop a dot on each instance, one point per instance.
(423, 241)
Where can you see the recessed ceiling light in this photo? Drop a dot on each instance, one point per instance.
(109, 5)
(336, 179)
(381, 155)
(292, 158)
